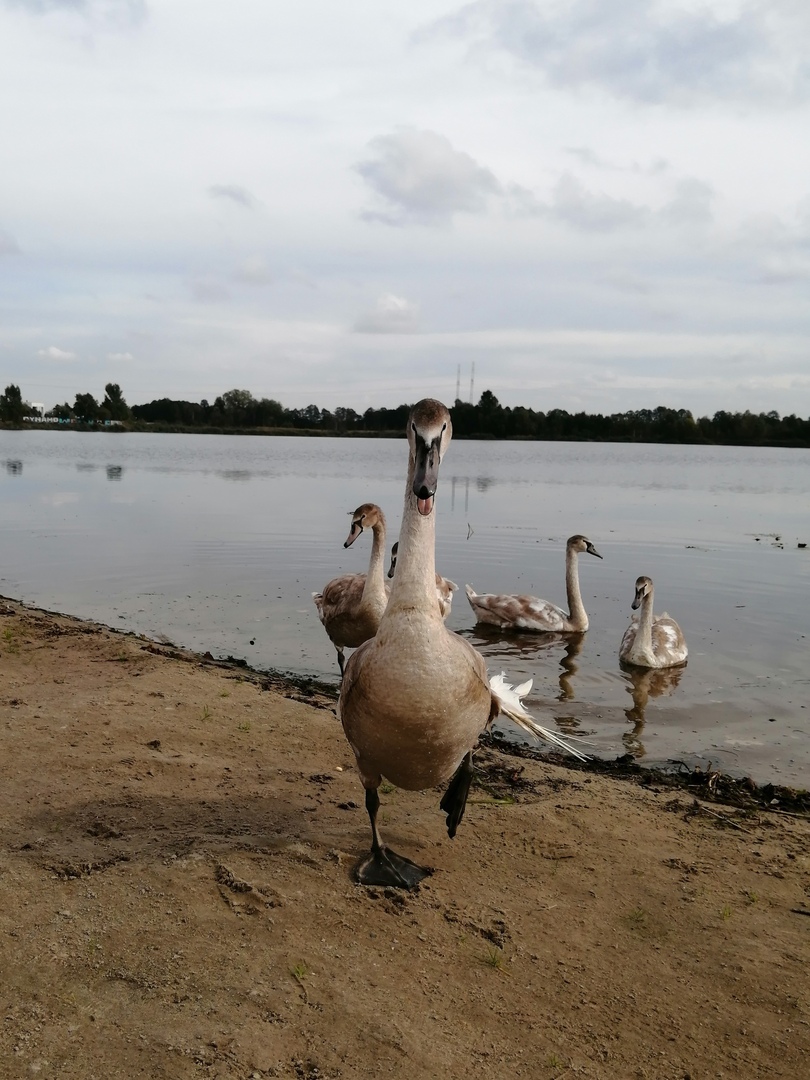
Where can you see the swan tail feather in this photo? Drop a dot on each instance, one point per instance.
(509, 700)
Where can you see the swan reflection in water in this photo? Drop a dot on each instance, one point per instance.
(500, 646)
(645, 683)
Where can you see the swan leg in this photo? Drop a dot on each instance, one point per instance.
(383, 866)
(454, 801)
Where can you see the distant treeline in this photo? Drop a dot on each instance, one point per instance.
(239, 411)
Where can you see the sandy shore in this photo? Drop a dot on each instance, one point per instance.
(176, 897)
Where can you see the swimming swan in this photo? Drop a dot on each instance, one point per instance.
(648, 641)
(444, 586)
(350, 606)
(415, 698)
(527, 612)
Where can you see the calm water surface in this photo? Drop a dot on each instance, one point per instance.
(217, 542)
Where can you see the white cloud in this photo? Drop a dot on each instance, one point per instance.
(583, 209)
(120, 356)
(573, 204)
(54, 353)
(691, 204)
(586, 156)
(235, 194)
(419, 177)
(254, 271)
(391, 315)
(644, 50)
(209, 291)
(106, 12)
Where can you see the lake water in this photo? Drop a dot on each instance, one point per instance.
(217, 542)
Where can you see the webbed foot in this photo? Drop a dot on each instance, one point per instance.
(385, 867)
(454, 800)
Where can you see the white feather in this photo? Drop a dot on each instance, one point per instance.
(508, 698)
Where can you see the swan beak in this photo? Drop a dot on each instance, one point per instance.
(356, 529)
(426, 475)
(592, 551)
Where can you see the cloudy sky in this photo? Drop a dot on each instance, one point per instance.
(601, 205)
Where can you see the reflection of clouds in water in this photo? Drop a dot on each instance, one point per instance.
(643, 684)
(14, 467)
(60, 498)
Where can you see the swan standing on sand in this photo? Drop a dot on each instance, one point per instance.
(527, 612)
(415, 698)
(648, 641)
(444, 586)
(350, 606)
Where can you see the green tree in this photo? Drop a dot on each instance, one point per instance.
(86, 408)
(238, 399)
(114, 402)
(12, 406)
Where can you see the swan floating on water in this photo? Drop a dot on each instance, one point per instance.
(444, 586)
(516, 612)
(415, 697)
(350, 606)
(651, 642)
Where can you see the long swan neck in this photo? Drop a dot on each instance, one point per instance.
(375, 578)
(645, 621)
(576, 609)
(415, 579)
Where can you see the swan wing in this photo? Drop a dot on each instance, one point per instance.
(628, 639)
(542, 614)
(351, 673)
(516, 611)
(668, 640)
(341, 595)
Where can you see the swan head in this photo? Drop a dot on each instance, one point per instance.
(364, 517)
(394, 550)
(582, 543)
(644, 587)
(429, 432)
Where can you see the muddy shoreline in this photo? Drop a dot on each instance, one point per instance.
(711, 784)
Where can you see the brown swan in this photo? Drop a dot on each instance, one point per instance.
(415, 697)
(515, 612)
(350, 606)
(651, 641)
